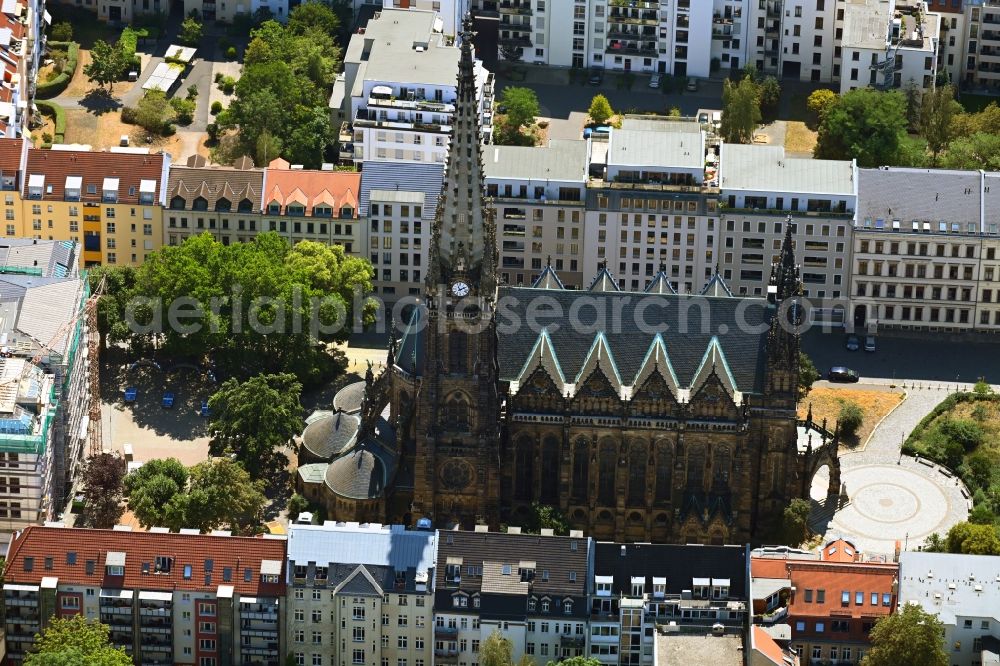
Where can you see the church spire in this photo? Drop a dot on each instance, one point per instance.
(785, 273)
(463, 237)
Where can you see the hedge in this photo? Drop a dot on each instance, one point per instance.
(54, 87)
(911, 447)
(128, 41)
(59, 114)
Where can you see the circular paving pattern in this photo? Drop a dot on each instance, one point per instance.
(889, 503)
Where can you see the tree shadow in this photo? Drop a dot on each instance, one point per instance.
(182, 421)
(99, 101)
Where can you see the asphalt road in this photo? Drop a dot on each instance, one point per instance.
(925, 359)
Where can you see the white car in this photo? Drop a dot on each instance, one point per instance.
(654, 81)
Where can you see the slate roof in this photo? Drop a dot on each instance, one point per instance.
(215, 182)
(52, 258)
(349, 398)
(364, 472)
(679, 564)
(688, 337)
(547, 279)
(329, 435)
(75, 551)
(490, 550)
(716, 287)
(382, 549)
(404, 177)
(930, 195)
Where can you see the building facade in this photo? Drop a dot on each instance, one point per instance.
(167, 598)
(360, 594)
(831, 600)
(531, 588)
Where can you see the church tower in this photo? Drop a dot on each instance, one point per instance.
(457, 428)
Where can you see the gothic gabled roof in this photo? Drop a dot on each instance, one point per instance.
(660, 285)
(547, 279)
(716, 287)
(599, 359)
(714, 363)
(604, 281)
(542, 356)
(658, 361)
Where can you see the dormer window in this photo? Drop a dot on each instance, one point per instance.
(568, 607)
(453, 572)
(532, 604)
(659, 587)
(109, 190)
(321, 573)
(322, 211)
(400, 580)
(603, 585)
(346, 211)
(163, 564)
(36, 185)
(147, 190)
(296, 209)
(114, 564)
(72, 189)
(300, 571)
(638, 586)
(274, 208)
(545, 605)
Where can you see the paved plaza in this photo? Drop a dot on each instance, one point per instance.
(892, 498)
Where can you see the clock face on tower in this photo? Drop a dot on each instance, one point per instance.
(460, 289)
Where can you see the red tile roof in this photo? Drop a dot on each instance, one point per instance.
(11, 151)
(840, 550)
(94, 166)
(764, 644)
(309, 188)
(243, 555)
(834, 578)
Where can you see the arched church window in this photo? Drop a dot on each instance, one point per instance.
(456, 412)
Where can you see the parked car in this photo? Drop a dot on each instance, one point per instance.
(703, 118)
(839, 373)
(870, 343)
(853, 343)
(654, 81)
(596, 76)
(692, 85)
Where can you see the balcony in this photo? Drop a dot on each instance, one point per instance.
(446, 656)
(516, 27)
(432, 106)
(569, 641)
(445, 633)
(520, 8)
(633, 17)
(647, 49)
(514, 40)
(774, 10)
(620, 31)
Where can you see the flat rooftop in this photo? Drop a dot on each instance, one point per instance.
(660, 149)
(866, 24)
(405, 46)
(683, 649)
(767, 169)
(562, 159)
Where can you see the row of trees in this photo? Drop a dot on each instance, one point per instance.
(280, 108)
(746, 103)
(250, 306)
(908, 128)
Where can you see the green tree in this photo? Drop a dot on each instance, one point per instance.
(191, 31)
(973, 539)
(740, 110)
(865, 124)
(221, 494)
(770, 96)
(910, 636)
(965, 432)
(107, 64)
(982, 468)
(103, 476)
(253, 419)
(544, 516)
(115, 284)
(522, 107)
(937, 113)
(61, 32)
(151, 488)
(600, 109)
(496, 650)
(313, 15)
(913, 96)
(267, 149)
(980, 150)
(296, 505)
(75, 641)
(820, 101)
(850, 418)
(795, 522)
(808, 374)
(152, 111)
(309, 137)
(982, 387)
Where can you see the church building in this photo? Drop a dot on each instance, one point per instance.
(649, 416)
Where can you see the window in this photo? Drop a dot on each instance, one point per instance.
(358, 657)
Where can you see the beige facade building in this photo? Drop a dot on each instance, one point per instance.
(762, 190)
(360, 595)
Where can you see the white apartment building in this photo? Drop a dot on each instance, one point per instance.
(964, 592)
(888, 44)
(762, 190)
(794, 39)
(981, 66)
(450, 11)
(539, 194)
(952, 42)
(360, 595)
(397, 92)
(920, 238)
(398, 203)
(653, 207)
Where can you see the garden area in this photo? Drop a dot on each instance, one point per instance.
(865, 408)
(963, 433)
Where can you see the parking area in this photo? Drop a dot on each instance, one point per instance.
(145, 424)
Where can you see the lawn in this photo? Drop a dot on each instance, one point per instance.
(827, 401)
(799, 138)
